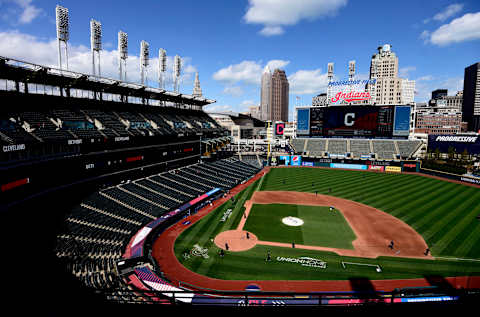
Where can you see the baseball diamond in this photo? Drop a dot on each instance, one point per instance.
(371, 209)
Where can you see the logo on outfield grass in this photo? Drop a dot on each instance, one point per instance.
(226, 215)
(304, 261)
(292, 221)
(199, 251)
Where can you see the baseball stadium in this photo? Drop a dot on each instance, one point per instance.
(123, 195)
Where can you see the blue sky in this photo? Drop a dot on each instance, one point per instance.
(229, 42)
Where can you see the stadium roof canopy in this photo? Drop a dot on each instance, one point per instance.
(25, 72)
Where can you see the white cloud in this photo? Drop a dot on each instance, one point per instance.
(29, 48)
(465, 28)
(308, 82)
(453, 84)
(425, 78)
(273, 14)
(272, 30)
(426, 84)
(235, 91)
(449, 11)
(217, 108)
(277, 63)
(19, 11)
(425, 36)
(248, 103)
(246, 72)
(404, 71)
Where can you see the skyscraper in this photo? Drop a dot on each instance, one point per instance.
(265, 94)
(388, 88)
(279, 93)
(197, 90)
(471, 97)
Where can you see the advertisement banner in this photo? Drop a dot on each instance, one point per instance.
(394, 169)
(279, 127)
(296, 160)
(461, 143)
(307, 163)
(285, 158)
(411, 166)
(348, 166)
(376, 168)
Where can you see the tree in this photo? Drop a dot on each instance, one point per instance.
(451, 152)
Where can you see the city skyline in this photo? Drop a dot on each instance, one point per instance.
(229, 44)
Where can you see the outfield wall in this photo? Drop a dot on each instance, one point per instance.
(371, 165)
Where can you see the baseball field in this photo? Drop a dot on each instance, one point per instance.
(315, 224)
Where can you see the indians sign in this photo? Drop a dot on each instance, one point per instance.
(351, 96)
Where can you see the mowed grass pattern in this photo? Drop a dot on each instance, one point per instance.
(444, 213)
(251, 264)
(321, 227)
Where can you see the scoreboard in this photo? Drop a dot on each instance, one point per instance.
(354, 121)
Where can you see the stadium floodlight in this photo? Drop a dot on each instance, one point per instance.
(95, 42)
(144, 59)
(122, 54)
(177, 69)
(163, 60)
(351, 70)
(162, 67)
(63, 32)
(330, 71)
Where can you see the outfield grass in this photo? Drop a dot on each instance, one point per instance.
(321, 227)
(442, 212)
(205, 230)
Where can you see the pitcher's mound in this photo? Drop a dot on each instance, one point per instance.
(236, 240)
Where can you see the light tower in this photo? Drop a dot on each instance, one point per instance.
(122, 55)
(63, 33)
(144, 60)
(95, 43)
(162, 67)
(177, 69)
(330, 80)
(351, 70)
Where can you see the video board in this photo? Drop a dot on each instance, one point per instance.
(358, 121)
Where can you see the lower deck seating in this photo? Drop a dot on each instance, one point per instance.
(96, 232)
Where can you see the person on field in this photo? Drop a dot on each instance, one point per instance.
(226, 246)
(427, 251)
(222, 253)
(391, 245)
(269, 258)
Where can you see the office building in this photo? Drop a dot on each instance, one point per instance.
(471, 97)
(265, 94)
(279, 95)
